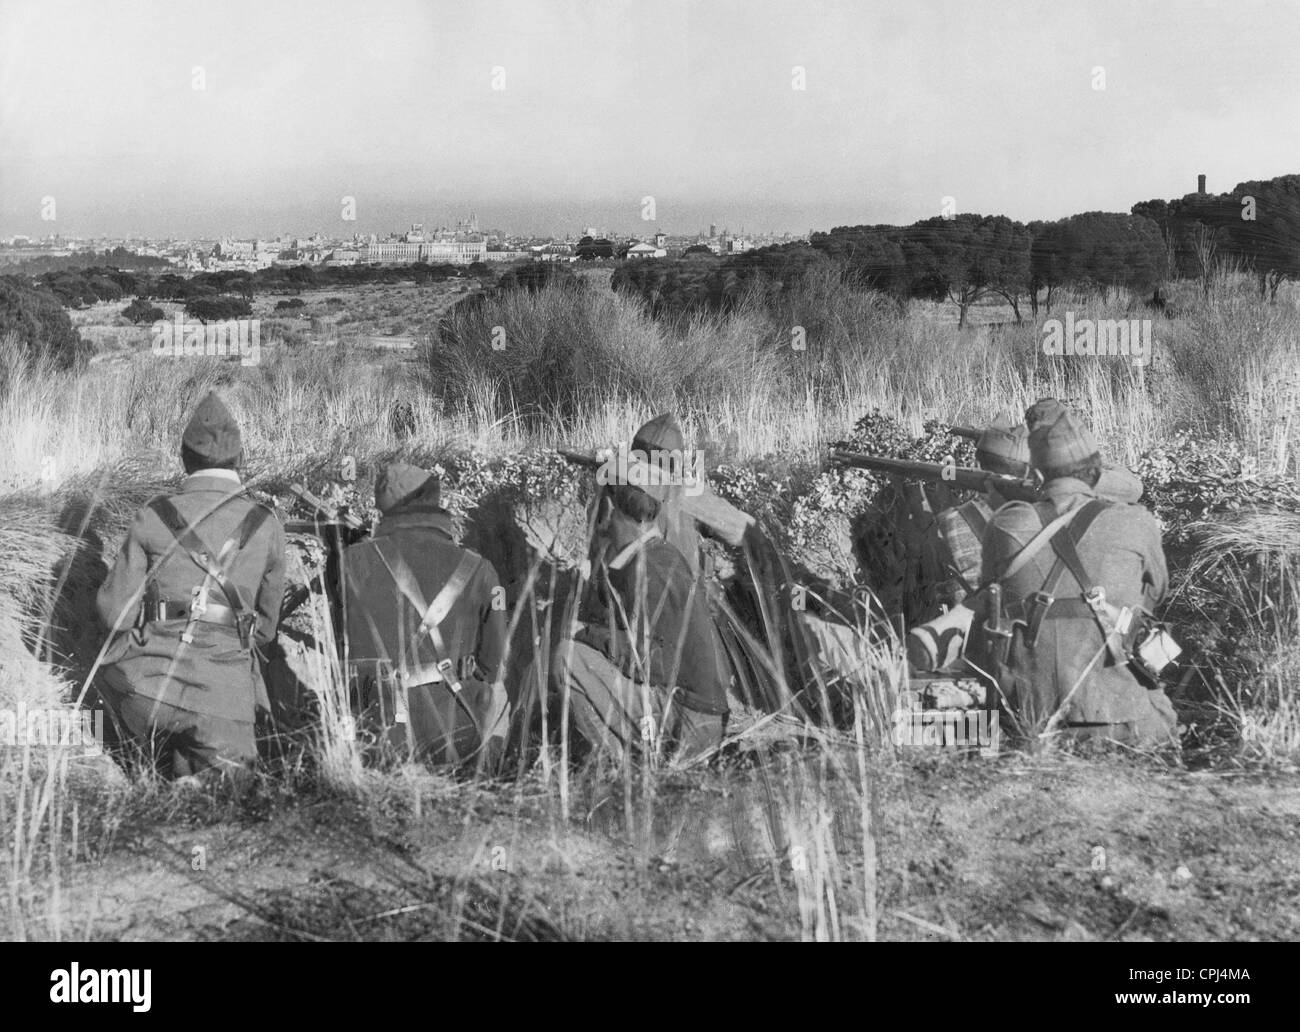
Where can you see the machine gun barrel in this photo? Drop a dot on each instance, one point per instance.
(331, 515)
(588, 460)
(968, 479)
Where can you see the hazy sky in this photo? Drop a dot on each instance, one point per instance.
(605, 102)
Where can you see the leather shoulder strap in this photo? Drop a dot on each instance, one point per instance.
(198, 551)
(975, 519)
(436, 611)
(1035, 544)
(1065, 544)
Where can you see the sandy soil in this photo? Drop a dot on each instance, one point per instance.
(1055, 848)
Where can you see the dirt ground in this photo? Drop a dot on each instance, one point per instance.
(1012, 847)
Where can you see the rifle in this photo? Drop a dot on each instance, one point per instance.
(584, 459)
(962, 477)
(971, 433)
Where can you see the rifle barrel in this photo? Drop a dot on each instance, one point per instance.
(971, 433)
(958, 476)
(579, 458)
(331, 515)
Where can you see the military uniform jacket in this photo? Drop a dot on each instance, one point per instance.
(383, 623)
(961, 531)
(1121, 552)
(211, 674)
(648, 600)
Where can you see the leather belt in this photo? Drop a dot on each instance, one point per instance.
(213, 613)
(430, 673)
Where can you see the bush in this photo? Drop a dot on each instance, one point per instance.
(293, 302)
(141, 311)
(546, 352)
(216, 309)
(536, 275)
(34, 316)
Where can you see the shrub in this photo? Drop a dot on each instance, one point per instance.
(140, 311)
(216, 309)
(39, 323)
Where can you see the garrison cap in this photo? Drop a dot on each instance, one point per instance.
(212, 433)
(1058, 437)
(1044, 410)
(662, 433)
(400, 482)
(1003, 447)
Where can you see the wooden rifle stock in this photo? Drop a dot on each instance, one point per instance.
(963, 477)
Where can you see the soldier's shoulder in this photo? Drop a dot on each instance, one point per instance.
(978, 505)
(482, 565)
(270, 519)
(472, 553)
(159, 509)
(1134, 512)
(267, 510)
(1015, 514)
(1132, 517)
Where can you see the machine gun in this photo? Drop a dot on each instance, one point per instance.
(963, 477)
(336, 528)
(723, 519)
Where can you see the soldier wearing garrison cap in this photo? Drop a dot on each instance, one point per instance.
(194, 594)
(1116, 483)
(645, 668)
(426, 627)
(1079, 574)
(1002, 447)
(681, 519)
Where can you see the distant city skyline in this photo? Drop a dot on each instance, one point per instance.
(173, 118)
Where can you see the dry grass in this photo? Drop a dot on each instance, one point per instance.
(90, 448)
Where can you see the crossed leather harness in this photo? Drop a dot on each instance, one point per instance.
(1119, 626)
(198, 609)
(410, 672)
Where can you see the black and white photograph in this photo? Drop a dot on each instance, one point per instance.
(651, 470)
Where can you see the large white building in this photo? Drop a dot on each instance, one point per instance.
(443, 247)
(641, 251)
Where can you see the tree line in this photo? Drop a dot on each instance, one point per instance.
(964, 258)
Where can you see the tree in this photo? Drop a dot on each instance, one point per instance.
(217, 309)
(875, 256)
(35, 317)
(1265, 232)
(589, 249)
(140, 311)
(1097, 249)
(966, 257)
